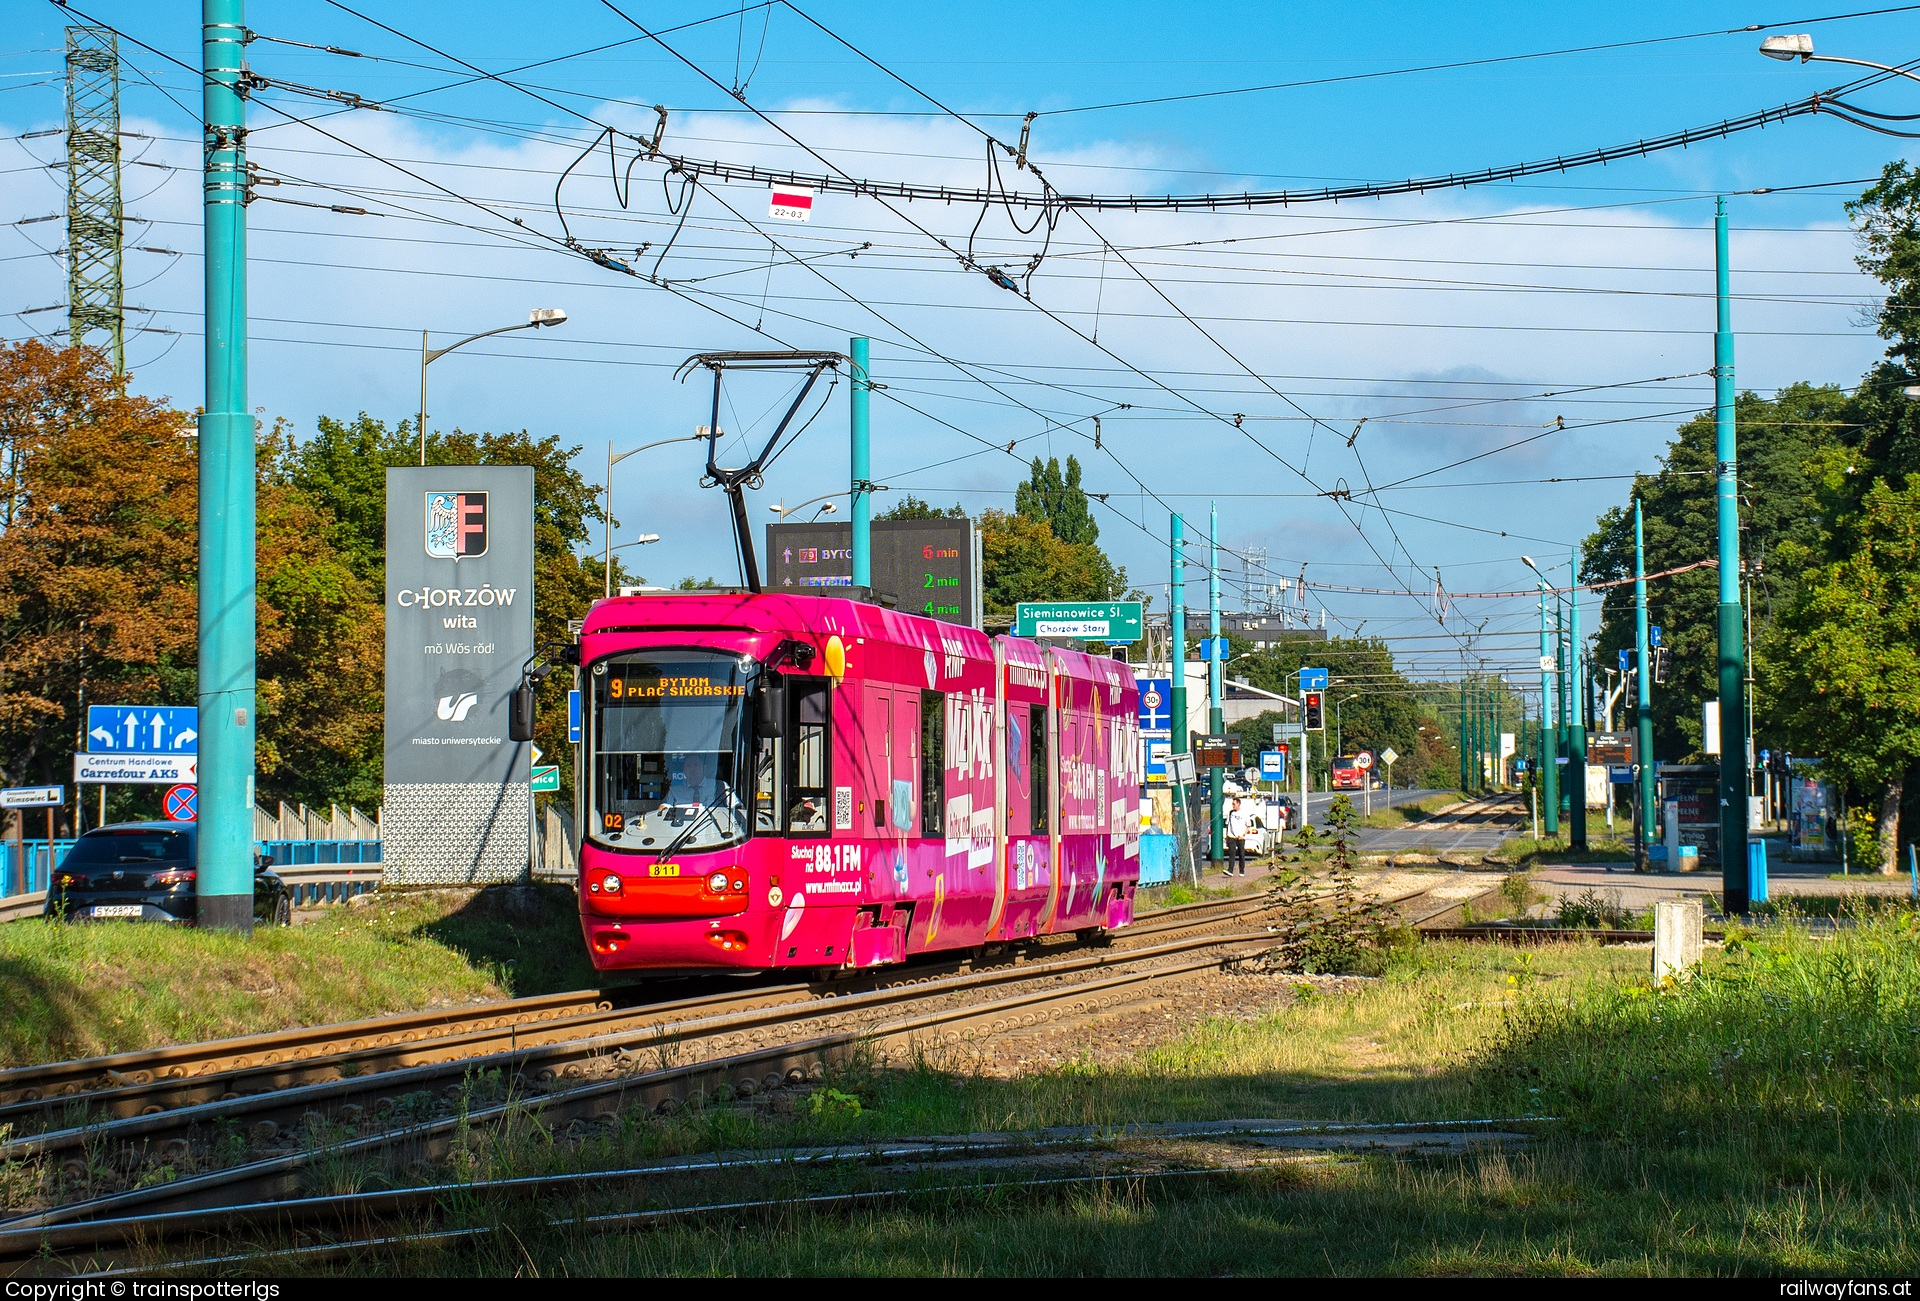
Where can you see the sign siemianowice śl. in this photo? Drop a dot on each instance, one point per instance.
(459, 628)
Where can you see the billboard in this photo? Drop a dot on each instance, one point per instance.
(459, 629)
(926, 566)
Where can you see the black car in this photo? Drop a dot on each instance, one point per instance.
(1289, 820)
(144, 872)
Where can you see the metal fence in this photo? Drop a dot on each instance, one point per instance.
(318, 868)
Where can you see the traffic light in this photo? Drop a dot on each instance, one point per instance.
(1314, 706)
(1658, 655)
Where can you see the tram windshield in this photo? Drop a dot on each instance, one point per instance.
(668, 735)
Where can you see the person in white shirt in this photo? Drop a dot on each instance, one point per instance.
(1236, 838)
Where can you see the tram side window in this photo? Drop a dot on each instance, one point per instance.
(807, 796)
(1038, 767)
(933, 764)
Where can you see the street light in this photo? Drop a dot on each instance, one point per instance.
(640, 541)
(1799, 46)
(538, 317)
(783, 510)
(613, 460)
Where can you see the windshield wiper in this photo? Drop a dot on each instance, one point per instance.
(686, 833)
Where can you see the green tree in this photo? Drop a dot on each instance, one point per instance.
(1845, 664)
(1887, 218)
(1025, 561)
(1058, 501)
(98, 565)
(911, 507)
(343, 468)
(1384, 713)
(1778, 437)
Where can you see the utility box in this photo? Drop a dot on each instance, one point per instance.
(1679, 934)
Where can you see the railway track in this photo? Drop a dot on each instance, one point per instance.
(594, 1064)
(177, 1062)
(78, 1093)
(403, 1208)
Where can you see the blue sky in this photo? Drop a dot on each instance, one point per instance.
(1453, 323)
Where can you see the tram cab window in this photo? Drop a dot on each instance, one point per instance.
(933, 764)
(666, 749)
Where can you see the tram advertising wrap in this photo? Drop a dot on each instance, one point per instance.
(928, 567)
(795, 781)
(459, 630)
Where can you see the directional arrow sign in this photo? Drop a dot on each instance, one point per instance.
(143, 729)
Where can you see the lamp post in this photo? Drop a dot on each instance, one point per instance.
(613, 460)
(783, 510)
(538, 317)
(1800, 46)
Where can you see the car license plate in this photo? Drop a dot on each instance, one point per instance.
(663, 869)
(117, 910)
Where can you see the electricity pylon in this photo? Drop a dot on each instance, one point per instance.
(95, 297)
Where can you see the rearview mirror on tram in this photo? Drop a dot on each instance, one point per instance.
(520, 712)
(770, 706)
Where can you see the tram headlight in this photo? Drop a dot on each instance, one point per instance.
(610, 883)
(717, 882)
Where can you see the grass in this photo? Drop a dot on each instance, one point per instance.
(79, 990)
(1414, 811)
(1762, 1118)
(1603, 846)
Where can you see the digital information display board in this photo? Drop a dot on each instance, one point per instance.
(927, 566)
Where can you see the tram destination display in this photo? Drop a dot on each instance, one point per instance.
(922, 566)
(459, 627)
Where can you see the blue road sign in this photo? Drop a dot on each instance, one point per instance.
(1273, 766)
(573, 717)
(143, 729)
(1156, 704)
(1626, 660)
(1653, 635)
(1213, 648)
(1313, 679)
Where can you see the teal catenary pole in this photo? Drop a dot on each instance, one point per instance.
(1177, 651)
(1549, 784)
(1643, 689)
(1733, 656)
(1576, 716)
(1181, 741)
(1464, 761)
(862, 485)
(226, 690)
(1216, 710)
(1560, 699)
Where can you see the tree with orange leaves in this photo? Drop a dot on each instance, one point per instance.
(98, 562)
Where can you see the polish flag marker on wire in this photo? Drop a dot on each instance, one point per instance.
(791, 203)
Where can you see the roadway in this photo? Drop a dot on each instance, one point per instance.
(1448, 835)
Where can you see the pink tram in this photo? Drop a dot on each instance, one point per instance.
(793, 781)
